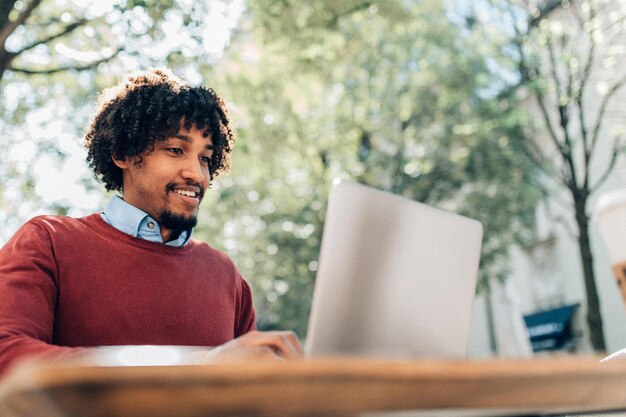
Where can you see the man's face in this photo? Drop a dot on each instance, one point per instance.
(170, 182)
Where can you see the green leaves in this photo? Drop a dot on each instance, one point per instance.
(393, 95)
(389, 93)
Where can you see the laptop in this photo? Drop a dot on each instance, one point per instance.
(396, 278)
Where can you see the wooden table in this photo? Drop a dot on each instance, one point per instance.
(321, 387)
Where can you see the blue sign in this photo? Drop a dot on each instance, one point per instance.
(551, 329)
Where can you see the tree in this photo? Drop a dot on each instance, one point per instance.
(567, 56)
(54, 58)
(44, 37)
(387, 93)
(390, 93)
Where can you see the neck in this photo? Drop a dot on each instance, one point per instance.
(167, 234)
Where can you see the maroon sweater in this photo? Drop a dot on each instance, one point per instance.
(67, 283)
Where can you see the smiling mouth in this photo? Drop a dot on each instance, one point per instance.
(189, 195)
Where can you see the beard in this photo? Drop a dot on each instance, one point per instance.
(176, 222)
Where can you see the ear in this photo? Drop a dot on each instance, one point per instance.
(121, 163)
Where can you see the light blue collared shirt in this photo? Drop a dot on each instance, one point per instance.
(129, 219)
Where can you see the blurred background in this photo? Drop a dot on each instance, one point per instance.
(512, 112)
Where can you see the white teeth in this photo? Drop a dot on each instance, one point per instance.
(186, 193)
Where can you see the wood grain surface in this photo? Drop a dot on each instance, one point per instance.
(321, 387)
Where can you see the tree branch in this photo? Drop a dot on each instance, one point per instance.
(602, 110)
(554, 69)
(563, 107)
(5, 10)
(546, 117)
(559, 176)
(538, 158)
(564, 111)
(67, 29)
(549, 198)
(547, 8)
(564, 148)
(335, 19)
(588, 146)
(590, 58)
(10, 28)
(66, 68)
(518, 41)
(587, 151)
(524, 70)
(617, 150)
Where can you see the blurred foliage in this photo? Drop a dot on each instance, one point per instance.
(389, 93)
(51, 69)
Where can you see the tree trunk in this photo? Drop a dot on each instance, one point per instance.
(594, 318)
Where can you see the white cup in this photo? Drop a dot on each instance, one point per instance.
(610, 214)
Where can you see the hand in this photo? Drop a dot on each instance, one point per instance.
(258, 346)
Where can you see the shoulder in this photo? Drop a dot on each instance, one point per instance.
(35, 236)
(54, 228)
(42, 225)
(50, 222)
(54, 224)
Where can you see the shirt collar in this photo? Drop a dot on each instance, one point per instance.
(129, 219)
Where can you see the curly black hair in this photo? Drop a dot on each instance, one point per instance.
(148, 106)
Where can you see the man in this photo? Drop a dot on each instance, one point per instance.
(132, 275)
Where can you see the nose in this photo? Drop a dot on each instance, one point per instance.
(193, 170)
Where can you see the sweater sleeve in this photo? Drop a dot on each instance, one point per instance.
(246, 318)
(28, 293)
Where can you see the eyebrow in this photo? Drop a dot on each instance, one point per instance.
(187, 139)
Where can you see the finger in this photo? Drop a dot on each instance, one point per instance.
(261, 353)
(286, 343)
(296, 343)
(291, 341)
(242, 354)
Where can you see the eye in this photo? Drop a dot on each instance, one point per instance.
(176, 151)
(205, 159)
